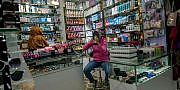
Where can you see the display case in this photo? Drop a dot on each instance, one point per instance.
(146, 74)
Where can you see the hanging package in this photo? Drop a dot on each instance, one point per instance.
(171, 19)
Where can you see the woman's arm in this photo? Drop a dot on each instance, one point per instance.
(88, 45)
(103, 44)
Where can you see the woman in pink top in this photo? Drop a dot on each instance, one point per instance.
(100, 57)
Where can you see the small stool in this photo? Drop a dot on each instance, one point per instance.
(100, 75)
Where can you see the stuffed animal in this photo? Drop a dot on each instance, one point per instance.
(36, 39)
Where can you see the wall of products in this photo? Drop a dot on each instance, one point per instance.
(122, 20)
(74, 20)
(93, 17)
(42, 13)
(154, 28)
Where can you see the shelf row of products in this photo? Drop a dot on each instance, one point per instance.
(96, 17)
(123, 7)
(123, 29)
(73, 13)
(39, 19)
(50, 36)
(72, 6)
(48, 27)
(35, 9)
(124, 53)
(131, 25)
(124, 3)
(125, 37)
(74, 28)
(92, 10)
(91, 3)
(40, 2)
(155, 33)
(121, 20)
(76, 35)
(148, 25)
(74, 21)
(93, 18)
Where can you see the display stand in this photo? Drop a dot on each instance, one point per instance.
(26, 83)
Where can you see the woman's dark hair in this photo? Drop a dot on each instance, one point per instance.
(96, 33)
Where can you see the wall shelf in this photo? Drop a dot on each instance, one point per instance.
(27, 3)
(92, 6)
(113, 5)
(123, 13)
(129, 22)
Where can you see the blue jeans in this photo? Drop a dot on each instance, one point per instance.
(93, 64)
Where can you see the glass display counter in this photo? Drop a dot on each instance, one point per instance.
(153, 73)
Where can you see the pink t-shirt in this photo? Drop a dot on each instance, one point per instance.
(100, 52)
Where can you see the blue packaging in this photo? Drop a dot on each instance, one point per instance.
(94, 26)
(149, 75)
(42, 19)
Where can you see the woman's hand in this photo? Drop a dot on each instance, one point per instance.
(96, 42)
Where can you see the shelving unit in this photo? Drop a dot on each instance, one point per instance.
(9, 18)
(93, 17)
(45, 14)
(123, 18)
(154, 22)
(74, 23)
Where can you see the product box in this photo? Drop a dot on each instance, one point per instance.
(92, 2)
